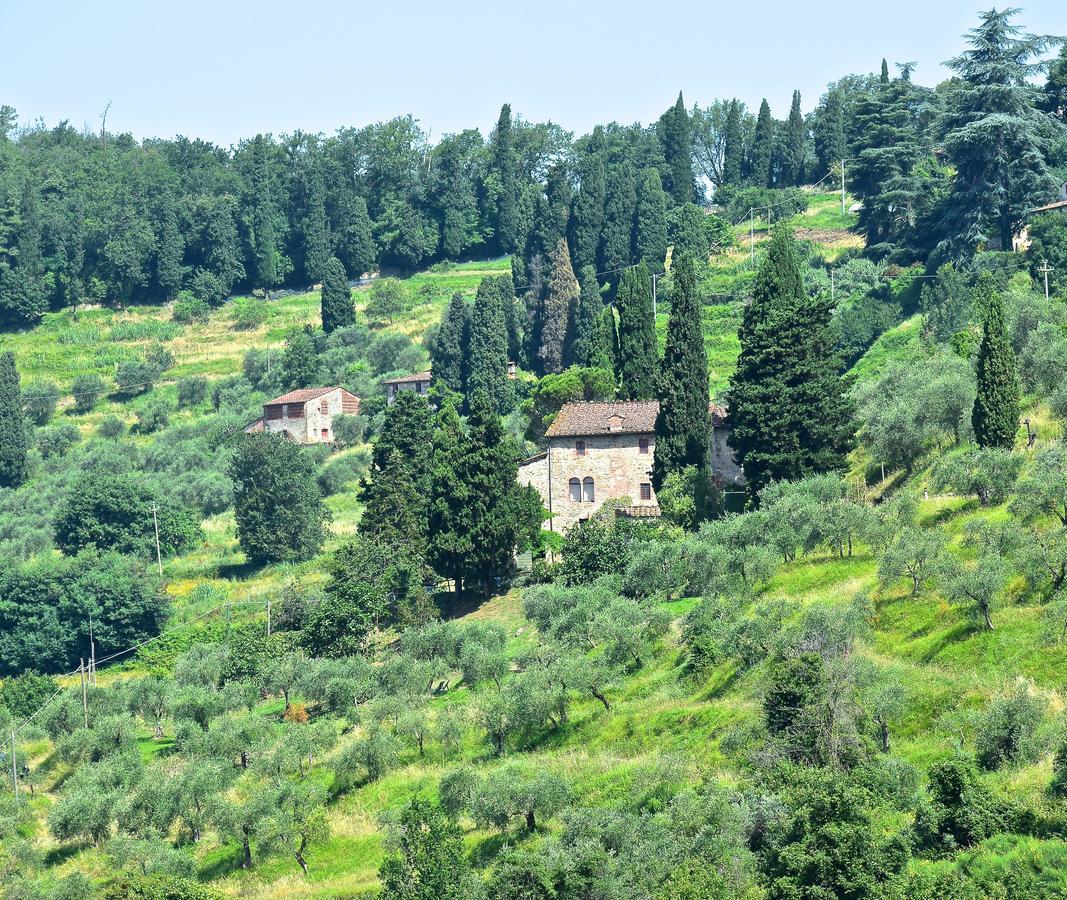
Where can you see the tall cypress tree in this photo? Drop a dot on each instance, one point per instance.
(789, 407)
(582, 346)
(675, 135)
(796, 144)
(637, 335)
(650, 226)
(606, 347)
(337, 308)
(682, 427)
(266, 266)
(733, 145)
(617, 238)
(587, 220)
(449, 518)
(355, 243)
(883, 78)
(830, 146)
(995, 416)
(171, 248)
(487, 362)
(315, 228)
(450, 347)
(504, 168)
(759, 159)
(12, 425)
(557, 309)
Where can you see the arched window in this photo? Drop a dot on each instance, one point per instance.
(575, 490)
(588, 492)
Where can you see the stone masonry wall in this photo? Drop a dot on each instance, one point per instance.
(307, 429)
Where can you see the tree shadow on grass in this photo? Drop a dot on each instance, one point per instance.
(59, 855)
(238, 571)
(454, 608)
(222, 862)
(958, 632)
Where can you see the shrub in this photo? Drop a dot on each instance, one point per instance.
(338, 473)
(56, 440)
(209, 286)
(135, 376)
(388, 301)
(349, 430)
(111, 427)
(192, 391)
(189, 308)
(1007, 730)
(248, 313)
(153, 415)
(87, 391)
(961, 811)
(39, 399)
(22, 695)
(159, 357)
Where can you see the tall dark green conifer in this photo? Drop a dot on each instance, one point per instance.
(582, 346)
(830, 148)
(637, 335)
(355, 243)
(487, 362)
(733, 145)
(449, 520)
(789, 407)
(796, 147)
(170, 249)
(315, 227)
(759, 159)
(995, 416)
(883, 78)
(675, 135)
(650, 226)
(557, 309)
(503, 166)
(337, 308)
(266, 263)
(450, 348)
(682, 427)
(617, 238)
(587, 221)
(12, 425)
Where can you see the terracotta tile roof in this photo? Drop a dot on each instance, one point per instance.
(300, 396)
(593, 417)
(407, 379)
(255, 426)
(1059, 204)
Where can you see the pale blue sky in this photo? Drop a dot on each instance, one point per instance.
(225, 70)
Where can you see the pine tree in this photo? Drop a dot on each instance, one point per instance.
(789, 408)
(450, 347)
(995, 416)
(266, 265)
(650, 227)
(557, 309)
(487, 362)
(682, 426)
(617, 237)
(675, 134)
(12, 425)
(394, 493)
(587, 221)
(637, 335)
(733, 145)
(796, 145)
(759, 159)
(993, 136)
(830, 146)
(171, 248)
(337, 308)
(315, 228)
(583, 339)
(355, 244)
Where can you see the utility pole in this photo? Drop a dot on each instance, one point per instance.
(831, 286)
(268, 615)
(14, 768)
(92, 652)
(1044, 270)
(843, 210)
(155, 525)
(85, 697)
(751, 239)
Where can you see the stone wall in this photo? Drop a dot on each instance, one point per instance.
(307, 421)
(613, 461)
(724, 467)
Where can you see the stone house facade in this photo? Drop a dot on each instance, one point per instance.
(603, 451)
(419, 383)
(306, 415)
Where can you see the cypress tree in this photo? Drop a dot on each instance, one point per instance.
(637, 335)
(606, 347)
(557, 309)
(12, 425)
(733, 145)
(995, 416)
(449, 350)
(759, 160)
(675, 134)
(830, 147)
(796, 144)
(617, 237)
(582, 345)
(884, 77)
(487, 362)
(789, 407)
(337, 308)
(171, 247)
(587, 221)
(449, 520)
(355, 244)
(650, 227)
(682, 427)
(266, 268)
(504, 165)
(315, 228)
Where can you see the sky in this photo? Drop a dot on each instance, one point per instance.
(228, 69)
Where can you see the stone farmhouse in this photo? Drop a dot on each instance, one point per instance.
(419, 383)
(305, 416)
(599, 451)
